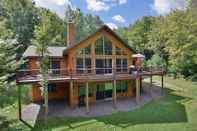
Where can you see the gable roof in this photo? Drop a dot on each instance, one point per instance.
(53, 51)
(104, 27)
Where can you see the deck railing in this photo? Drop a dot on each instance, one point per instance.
(59, 73)
(35, 74)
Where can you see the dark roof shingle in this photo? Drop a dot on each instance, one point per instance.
(53, 51)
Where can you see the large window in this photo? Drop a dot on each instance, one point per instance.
(83, 65)
(82, 90)
(55, 67)
(52, 88)
(104, 90)
(121, 65)
(103, 66)
(84, 51)
(103, 46)
(103, 50)
(25, 66)
(120, 51)
(82, 93)
(121, 60)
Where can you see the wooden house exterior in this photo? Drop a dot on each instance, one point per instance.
(97, 65)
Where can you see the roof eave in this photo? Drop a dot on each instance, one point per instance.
(105, 27)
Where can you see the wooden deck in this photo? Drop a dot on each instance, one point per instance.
(84, 78)
(33, 76)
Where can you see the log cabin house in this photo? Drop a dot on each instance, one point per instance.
(82, 73)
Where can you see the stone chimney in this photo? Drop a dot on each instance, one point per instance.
(71, 33)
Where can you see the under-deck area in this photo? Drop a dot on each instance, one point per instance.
(89, 108)
(106, 107)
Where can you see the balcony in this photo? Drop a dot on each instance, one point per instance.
(84, 74)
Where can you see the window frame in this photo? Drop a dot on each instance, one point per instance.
(120, 66)
(85, 55)
(103, 46)
(122, 86)
(52, 88)
(55, 71)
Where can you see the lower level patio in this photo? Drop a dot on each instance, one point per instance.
(35, 111)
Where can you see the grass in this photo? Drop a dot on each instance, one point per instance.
(176, 111)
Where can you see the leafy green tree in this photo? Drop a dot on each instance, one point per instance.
(85, 24)
(123, 33)
(43, 37)
(21, 19)
(8, 67)
(157, 38)
(193, 4)
(57, 27)
(4, 32)
(181, 44)
(138, 33)
(156, 61)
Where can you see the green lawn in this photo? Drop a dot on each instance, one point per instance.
(176, 111)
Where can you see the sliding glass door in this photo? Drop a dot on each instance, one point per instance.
(104, 91)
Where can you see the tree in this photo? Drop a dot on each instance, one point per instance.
(181, 44)
(123, 33)
(156, 61)
(44, 36)
(193, 4)
(21, 19)
(172, 37)
(157, 38)
(8, 66)
(57, 27)
(138, 33)
(85, 24)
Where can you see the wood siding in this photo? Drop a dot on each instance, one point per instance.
(69, 62)
(61, 92)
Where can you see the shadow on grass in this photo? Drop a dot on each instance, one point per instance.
(10, 124)
(5, 123)
(167, 109)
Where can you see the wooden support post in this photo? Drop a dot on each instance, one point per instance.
(93, 59)
(151, 80)
(71, 93)
(140, 83)
(137, 90)
(162, 82)
(151, 84)
(162, 86)
(114, 93)
(87, 97)
(113, 59)
(19, 103)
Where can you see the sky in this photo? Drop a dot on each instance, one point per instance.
(116, 13)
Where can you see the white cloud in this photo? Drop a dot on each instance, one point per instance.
(122, 2)
(165, 6)
(119, 18)
(103, 5)
(112, 25)
(57, 6)
(96, 5)
(56, 2)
